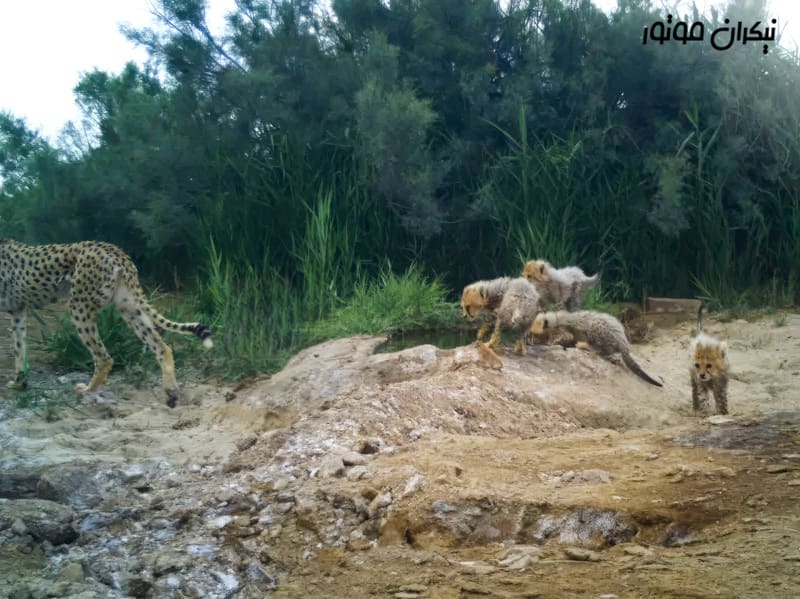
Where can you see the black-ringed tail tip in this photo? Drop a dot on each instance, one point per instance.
(204, 332)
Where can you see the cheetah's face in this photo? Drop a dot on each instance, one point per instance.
(473, 302)
(709, 361)
(536, 270)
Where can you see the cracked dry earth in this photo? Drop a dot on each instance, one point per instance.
(418, 474)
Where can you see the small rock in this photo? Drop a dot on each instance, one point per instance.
(442, 507)
(59, 589)
(332, 465)
(357, 473)
(169, 561)
(676, 535)
(133, 473)
(723, 471)
(285, 497)
(638, 550)
(246, 442)
(283, 508)
(778, 468)
(19, 528)
(719, 419)
(203, 551)
(220, 522)
(518, 562)
(479, 567)
(138, 586)
(380, 501)
(581, 555)
(794, 483)
(73, 484)
(352, 458)
(43, 520)
(160, 524)
(413, 588)
(368, 446)
(358, 542)
(414, 484)
(229, 582)
(72, 572)
(608, 596)
(756, 501)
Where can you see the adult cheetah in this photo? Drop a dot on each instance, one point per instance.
(93, 275)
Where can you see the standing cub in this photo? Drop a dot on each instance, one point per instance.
(596, 330)
(563, 287)
(513, 303)
(708, 369)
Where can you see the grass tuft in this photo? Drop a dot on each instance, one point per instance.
(391, 303)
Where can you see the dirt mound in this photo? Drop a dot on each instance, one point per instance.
(420, 473)
(343, 385)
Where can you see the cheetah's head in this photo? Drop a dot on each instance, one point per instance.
(473, 301)
(709, 358)
(536, 270)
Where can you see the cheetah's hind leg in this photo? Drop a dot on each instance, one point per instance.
(141, 324)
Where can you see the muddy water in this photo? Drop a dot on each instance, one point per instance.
(443, 339)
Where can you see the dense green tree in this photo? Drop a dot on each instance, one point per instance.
(462, 135)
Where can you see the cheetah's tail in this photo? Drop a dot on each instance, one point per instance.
(185, 328)
(700, 319)
(591, 282)
(637, 370)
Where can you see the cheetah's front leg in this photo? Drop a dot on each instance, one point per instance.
(721, 396)
(699, 396)
(86, 326)
(18, 328)
(488, 323)
(494, 340)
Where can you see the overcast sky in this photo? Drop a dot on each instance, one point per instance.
(45, 45)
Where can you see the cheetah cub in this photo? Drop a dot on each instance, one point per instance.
(594, 330)
(708, 369)
(512, 303)
(564, 287)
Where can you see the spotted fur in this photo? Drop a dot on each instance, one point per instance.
(512, 303)
(563, 287)
(92, 275)
(596, 330)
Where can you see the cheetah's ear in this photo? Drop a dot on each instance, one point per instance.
(541, 268)
(483, 292)
(723, 349)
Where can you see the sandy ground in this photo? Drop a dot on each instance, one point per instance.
(420, 473)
